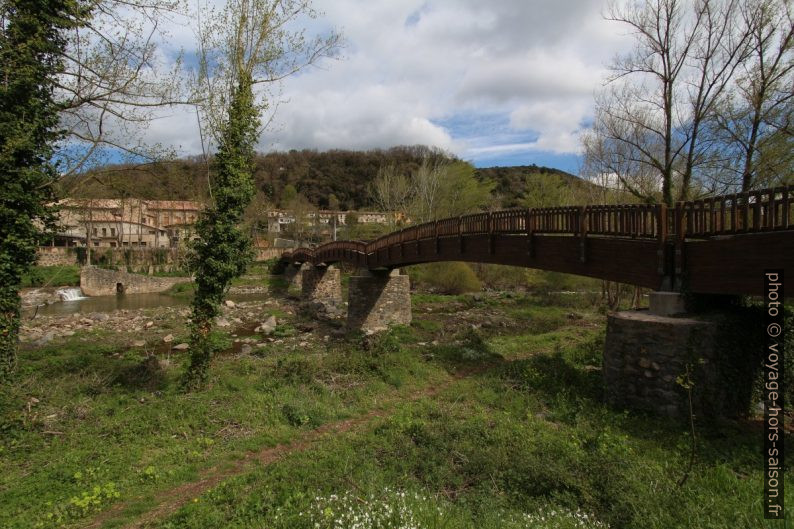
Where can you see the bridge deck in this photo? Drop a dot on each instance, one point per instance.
(721, 245)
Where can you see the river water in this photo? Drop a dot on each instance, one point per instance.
(127, 301)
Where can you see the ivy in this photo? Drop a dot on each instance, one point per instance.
(31, 45)
(222, 250)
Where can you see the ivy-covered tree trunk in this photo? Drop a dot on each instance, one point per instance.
(223, 250)
(31, 45)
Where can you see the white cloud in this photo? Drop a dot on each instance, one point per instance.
(412, 65)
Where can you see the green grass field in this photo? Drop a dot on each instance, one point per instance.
(52, 276)
(482, 414)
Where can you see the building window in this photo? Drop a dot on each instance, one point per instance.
(94, 232)
(104, 232)
(112, 232)
(112, 244)
(96, 243)
(143, 243)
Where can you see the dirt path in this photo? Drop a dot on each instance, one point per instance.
(169, 501)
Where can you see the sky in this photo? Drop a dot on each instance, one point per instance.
(502, 82)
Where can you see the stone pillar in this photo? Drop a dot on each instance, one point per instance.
(378, 299)
(294, 275)
(644, 354)
(666, 303)
(322, 284)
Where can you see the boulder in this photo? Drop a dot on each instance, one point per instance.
(267, 326)
(168, 338)
(99, 316)
(180, 347)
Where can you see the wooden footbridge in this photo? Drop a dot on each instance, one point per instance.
(719, 245)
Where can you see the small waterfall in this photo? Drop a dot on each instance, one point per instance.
(71, 294)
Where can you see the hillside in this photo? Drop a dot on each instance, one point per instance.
(317, 175)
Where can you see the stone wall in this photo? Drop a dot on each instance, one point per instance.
(644, 355)
(294, 275)
(100, 282)
(377, 300)
(133, 259)
(322, 284)
(56, 256)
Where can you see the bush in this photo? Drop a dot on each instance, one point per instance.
(448, 278)
(501, 277)
(52, 276)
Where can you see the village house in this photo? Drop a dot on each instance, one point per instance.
(127, 222)
(278, 219)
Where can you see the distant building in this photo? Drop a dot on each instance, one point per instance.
(279, 219)
(130, 222)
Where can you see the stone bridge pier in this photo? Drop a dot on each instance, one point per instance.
(649, 353)
(293, 274)
(378, 299)
(321, 285)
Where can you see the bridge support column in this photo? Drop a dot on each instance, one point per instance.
(644, 356)
(294, 275)
(667, 303)
(322, 285)
(378, 299)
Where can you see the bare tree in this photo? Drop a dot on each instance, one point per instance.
(114, 82)
(654, 121)
(391, 191)
(757, 114)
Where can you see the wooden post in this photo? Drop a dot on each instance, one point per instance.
(680, 235)
(435, 229)
(529, 229)
(583, 234)
(491, 241)
(460, 235)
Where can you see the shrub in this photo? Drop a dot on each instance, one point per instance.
(448, 278)
(501, 277)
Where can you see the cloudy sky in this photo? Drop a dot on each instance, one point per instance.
(503, 82)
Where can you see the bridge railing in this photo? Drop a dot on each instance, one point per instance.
(755, 211)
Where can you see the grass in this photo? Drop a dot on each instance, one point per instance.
(52, 276)
(525, 444)
(497, 426)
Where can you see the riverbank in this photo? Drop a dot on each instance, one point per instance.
(485, 412)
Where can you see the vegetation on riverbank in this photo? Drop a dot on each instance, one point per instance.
(486, 412)
(52, 276)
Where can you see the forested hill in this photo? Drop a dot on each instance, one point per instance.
(316, 175)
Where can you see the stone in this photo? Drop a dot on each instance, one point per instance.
(645, 353)
(246, 349)
(168, 338)
(181, 347)
(377, 300)
(229, 303)
(47, 338)
(139, 343)
(99, 316)
(666, 303)
(222, 322)
(267, 326)
(321, 284)
(149, 324)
